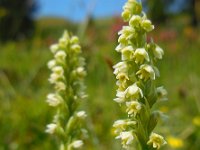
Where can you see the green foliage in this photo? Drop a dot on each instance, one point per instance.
(23, 88)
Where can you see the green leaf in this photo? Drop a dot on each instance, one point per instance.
(154, 117)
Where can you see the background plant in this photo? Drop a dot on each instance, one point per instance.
(67, 77)
(24, 83)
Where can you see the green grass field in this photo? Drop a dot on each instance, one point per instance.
(24, 86)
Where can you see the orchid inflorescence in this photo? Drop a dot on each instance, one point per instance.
(67, 75)
(136, 75)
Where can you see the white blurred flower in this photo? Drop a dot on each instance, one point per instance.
(76, 48)
(58, 70)
(162, 93)
(74, 40)
(60, 56)
(54, 48)
(51, 64)
(158, 52)
(53, 99)
(58, 73)
(63, 41)
(60, 86)
(81, 71)
(121, 125)
(51, 128)
(81, 114)
(77, 144)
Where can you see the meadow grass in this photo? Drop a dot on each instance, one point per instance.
(23, 88)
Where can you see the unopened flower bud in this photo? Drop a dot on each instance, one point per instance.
(158, 52)
(74, 40)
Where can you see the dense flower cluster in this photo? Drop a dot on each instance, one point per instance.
(136, 74)
(67, 74)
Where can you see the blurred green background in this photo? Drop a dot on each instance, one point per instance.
(24, 53)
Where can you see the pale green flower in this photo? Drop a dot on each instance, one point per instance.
(162, 93)
(158, 52)
(74, 40)
(64, 41)
(76, 48)
(126, 14)
(131, 7)
(60, 56)
(120, 96)
(121, 76)
(60, 86)
(147, 25)
(122, 39)
(81, 72)
(119, 99)
(133, 92)
(156, 140)
(58, 70)
(126, 138)
(119, 47)
(120, 67)
(127, 53)
(121, 125)
(126, 33)
(54, 77)
(54, 99)
(122, 80)
(140, 55)
(51, 64)
(135, 21)
(54, 48)
(51, 128)
(133, 107)
(57, 73)
(146, 72)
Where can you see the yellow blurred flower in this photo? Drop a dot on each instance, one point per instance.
(164, 109)
(3, 12)
(196, 121)
(175, 142)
